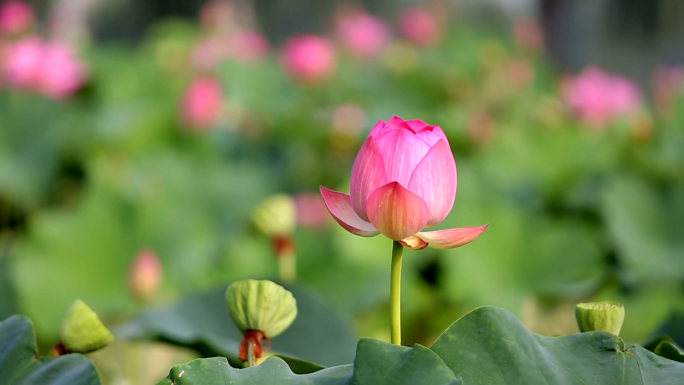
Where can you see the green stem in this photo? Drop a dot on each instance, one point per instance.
(395, 292)
(287, 267)
(251, 360)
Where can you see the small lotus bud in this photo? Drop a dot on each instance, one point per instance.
(145, 275)
(276, 216)
(82, 331)
(261, 305)
(261, 310)
(600, 316)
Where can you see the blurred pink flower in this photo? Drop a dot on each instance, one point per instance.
(309, 58)
(145, 274)
(50, 68)
(528, 34)
(667, 82)
(362, 34)
(598, 97)
(248, 46)
(201, 105)
(22, 63)
(208, 53)
(348, 119)
(217, 15)
(403, 179)
(420, 26)
(15, 17)
(311, 211)
(61, 72)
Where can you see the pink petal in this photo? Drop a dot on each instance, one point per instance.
(378, 129)
(397, 122)
(339, 205)
(434, 180)
(432, 135)
(396, 212)
(368, 173)
(414, 243)
(451, 238)
(402, 150)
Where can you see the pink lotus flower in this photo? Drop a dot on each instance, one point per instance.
(403, 179)
(420, 26)
(15, 17)
(21, 68)
(309, 58)
(598, 97)
(61, 72)
(248, 46)
(145, 274)
(202, 102)
(48, 67)
(362, 34)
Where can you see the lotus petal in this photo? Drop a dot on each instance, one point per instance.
(434, 180)
(339, 205)
(451, 238)
(368, 173)
(396, 212)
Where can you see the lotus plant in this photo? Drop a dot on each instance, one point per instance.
(403, 179)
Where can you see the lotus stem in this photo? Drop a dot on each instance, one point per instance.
(287, 268)
(395, 292)
(251, 359)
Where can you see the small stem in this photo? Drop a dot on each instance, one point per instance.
(395, 292)
(287, 267)
(251, 359)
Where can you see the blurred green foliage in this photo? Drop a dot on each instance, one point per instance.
(576, 214)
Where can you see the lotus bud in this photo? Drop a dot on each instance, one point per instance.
(600, 316)
(82, 331)
(261, 310)
(276, 216)
(145, 275)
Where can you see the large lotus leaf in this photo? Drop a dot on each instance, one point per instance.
(8, 297)
(20, 365)
(646, 225)
(202, 322)
(490, 346)
(376, 363)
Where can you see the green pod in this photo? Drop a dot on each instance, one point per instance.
(600, 316)
(261, 305)
(276, 216)
(82, 331)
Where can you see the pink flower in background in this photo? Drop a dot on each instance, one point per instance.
(311, 211)
(598, 97)
(202, 102)
(15, 17)
(47, 67)
(61, 72)
(145, 274)
(528, 34)
(248, 46)
(420, 26)
(309, 58)
(21, 68)
(349, 119)
(403, 179)
(362, 34)
(667, 82)
(208, 53)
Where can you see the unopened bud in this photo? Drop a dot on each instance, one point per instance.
(82, 331)
(261, 305)
(145, 275)
(276, 216)
(600, 316)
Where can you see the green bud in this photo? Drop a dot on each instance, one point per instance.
(276, 216)
(82, 331)
(261, 305)
(600, 316)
